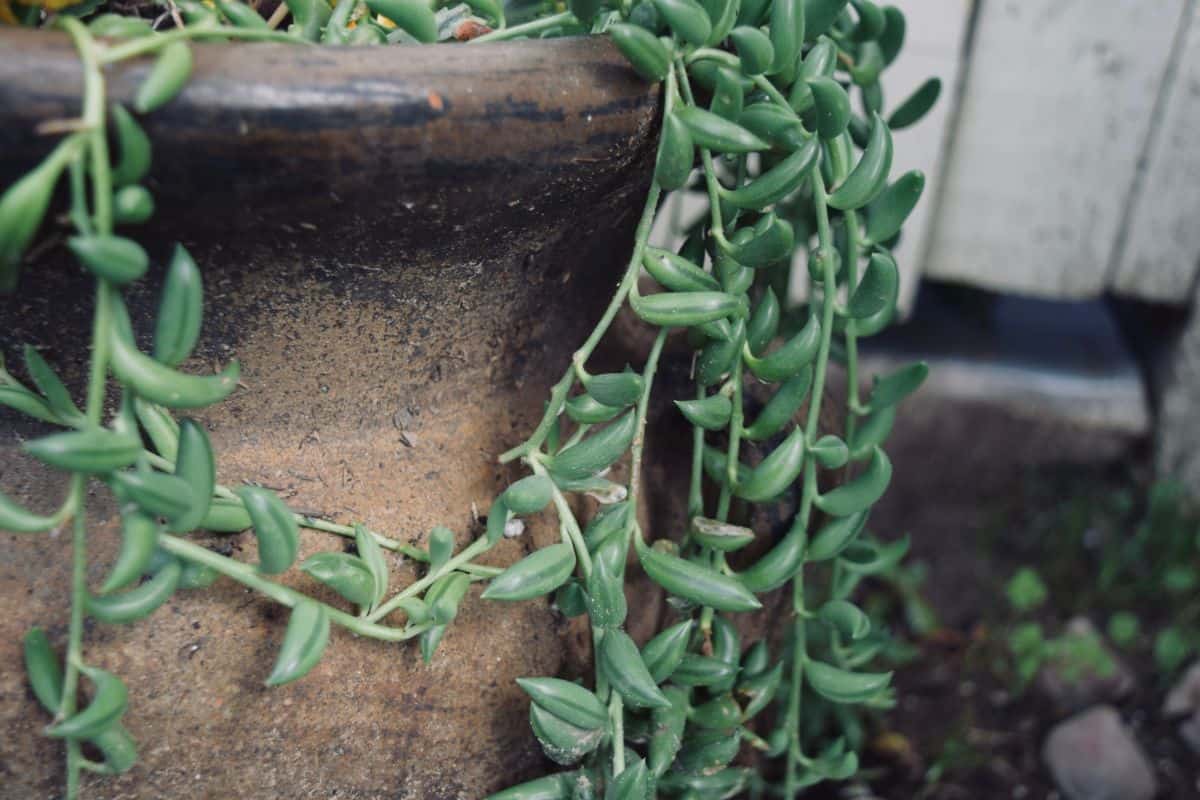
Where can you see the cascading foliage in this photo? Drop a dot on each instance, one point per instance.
(758, 120)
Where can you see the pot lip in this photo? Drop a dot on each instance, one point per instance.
(40, 78)
(356, 138)
(56, 39)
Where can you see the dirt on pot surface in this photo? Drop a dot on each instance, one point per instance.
(380, 378)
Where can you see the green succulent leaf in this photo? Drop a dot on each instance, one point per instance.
(567, 701)
(529, 495)
(140, 602)
(95, 451)
(195, 466)
(846, 618)
(722, 536)
(860, 493)
(898, 385)
(347, 575)
(835, 535)
(869, 177)
(445, 596)
(879, 288)
(687, 18)
(596, 452)
(718, 134)
(887, 213)
(754, 48)
(843, 686)
(109, 702)
(916, 106)
(616, 389)
(562, 742)
(665, 651)
(15, 519)
(139, 539)
(274, 526)
(622, 664)
(303, 643)
(648, 56)
(695, 582)
(166, 78)
(372, 555)
(711, 413)
(535, 575)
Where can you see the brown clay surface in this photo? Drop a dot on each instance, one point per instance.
(382, 373)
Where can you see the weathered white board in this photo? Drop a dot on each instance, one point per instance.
(1056, 112)
(1162, 250)
(933, 49)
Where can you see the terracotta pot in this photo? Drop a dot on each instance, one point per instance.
(402, 247)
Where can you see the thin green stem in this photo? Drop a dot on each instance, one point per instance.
(575, 437)
(855, 244)
(712, 54)
(776, 96)
(306, 521)
(151, 44)
(558, 395)
(93, 766)
(528, 28)
(93, 115)
(717, 228)
(571, 532)
(475, 548)
(733, 455)
(639, 439)
(649, 372)
(70, 698)
(853, 404)
(314, 523)
(79, 209)
(246, 575)
(795, 755)
(616, 716)
(696, 486)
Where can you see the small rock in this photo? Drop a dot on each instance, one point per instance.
(1091, 673)
(1184, 700)
(1189, 731)
(1092, 756)
(1184, 697)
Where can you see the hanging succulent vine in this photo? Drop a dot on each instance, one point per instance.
(778, 161)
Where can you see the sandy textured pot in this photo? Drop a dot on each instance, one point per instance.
(401, 246)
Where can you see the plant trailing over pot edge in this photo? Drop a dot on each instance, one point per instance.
(759, 93)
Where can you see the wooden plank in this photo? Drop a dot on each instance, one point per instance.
(1056, 112)
(1162, 251)
(933, 49)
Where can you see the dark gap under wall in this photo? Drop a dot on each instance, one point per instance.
(1069, 359)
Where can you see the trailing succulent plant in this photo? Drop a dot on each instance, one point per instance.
(758, 120)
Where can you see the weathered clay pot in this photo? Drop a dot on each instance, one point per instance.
(402, 247)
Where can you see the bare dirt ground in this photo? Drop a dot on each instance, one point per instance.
(982, 493)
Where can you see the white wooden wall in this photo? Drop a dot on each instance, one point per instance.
(1159, 257)
(1074, 166)
(933, 48)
